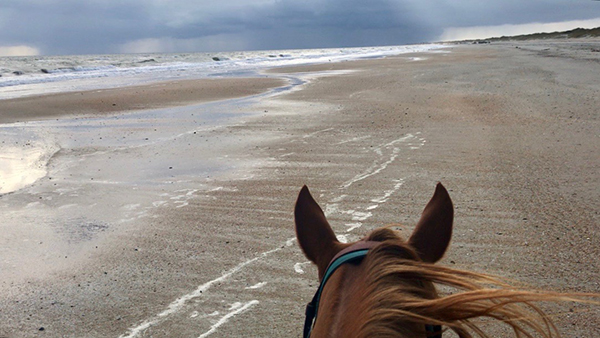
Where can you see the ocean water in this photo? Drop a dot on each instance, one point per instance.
(31, 75)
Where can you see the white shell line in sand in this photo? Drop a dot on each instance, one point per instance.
(361, 215)
(352, 226)
(331, 209)
(355, 139)
(358, 216)
(256, 286)
(236, 308)
(66, 206)
(298, 267)
(178, 304)
(196, 314)
(317, 132)
(377, 166)
(389, 193)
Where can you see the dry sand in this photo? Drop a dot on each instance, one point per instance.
(513, 133)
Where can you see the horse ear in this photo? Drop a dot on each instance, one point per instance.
(432, 234)
(316, 238)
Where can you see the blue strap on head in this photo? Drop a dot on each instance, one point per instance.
(313, 306)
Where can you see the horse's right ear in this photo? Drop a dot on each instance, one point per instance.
(432, 234)
(316, 238)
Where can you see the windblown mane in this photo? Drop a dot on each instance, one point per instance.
(400, 291)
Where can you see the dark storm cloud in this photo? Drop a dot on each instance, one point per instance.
(104, 26)
(334, 23)
(71, 26)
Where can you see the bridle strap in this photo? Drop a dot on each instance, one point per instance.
(362, 245)
(353, 253)
(433, 331)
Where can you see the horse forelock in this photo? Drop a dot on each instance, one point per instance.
(400, 297)
(393, 278)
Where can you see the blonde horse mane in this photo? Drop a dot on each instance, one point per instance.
(400, 290)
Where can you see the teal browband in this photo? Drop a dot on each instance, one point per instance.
(311, 308)
(349, 257)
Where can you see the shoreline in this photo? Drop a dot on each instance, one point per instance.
(495, 125)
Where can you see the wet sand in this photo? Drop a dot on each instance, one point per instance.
(152, 96)
(511, 132)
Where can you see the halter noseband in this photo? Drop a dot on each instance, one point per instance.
(352, 253)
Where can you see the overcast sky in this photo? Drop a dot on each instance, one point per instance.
(137, 26)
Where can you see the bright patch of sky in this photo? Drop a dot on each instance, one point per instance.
(18, 51)
(482, 32)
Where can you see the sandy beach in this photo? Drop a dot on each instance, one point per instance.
(511, 129)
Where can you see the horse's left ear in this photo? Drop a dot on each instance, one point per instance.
(315, 236)
(432, 235)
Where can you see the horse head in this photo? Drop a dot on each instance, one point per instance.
(384, 285)
(343, 298)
